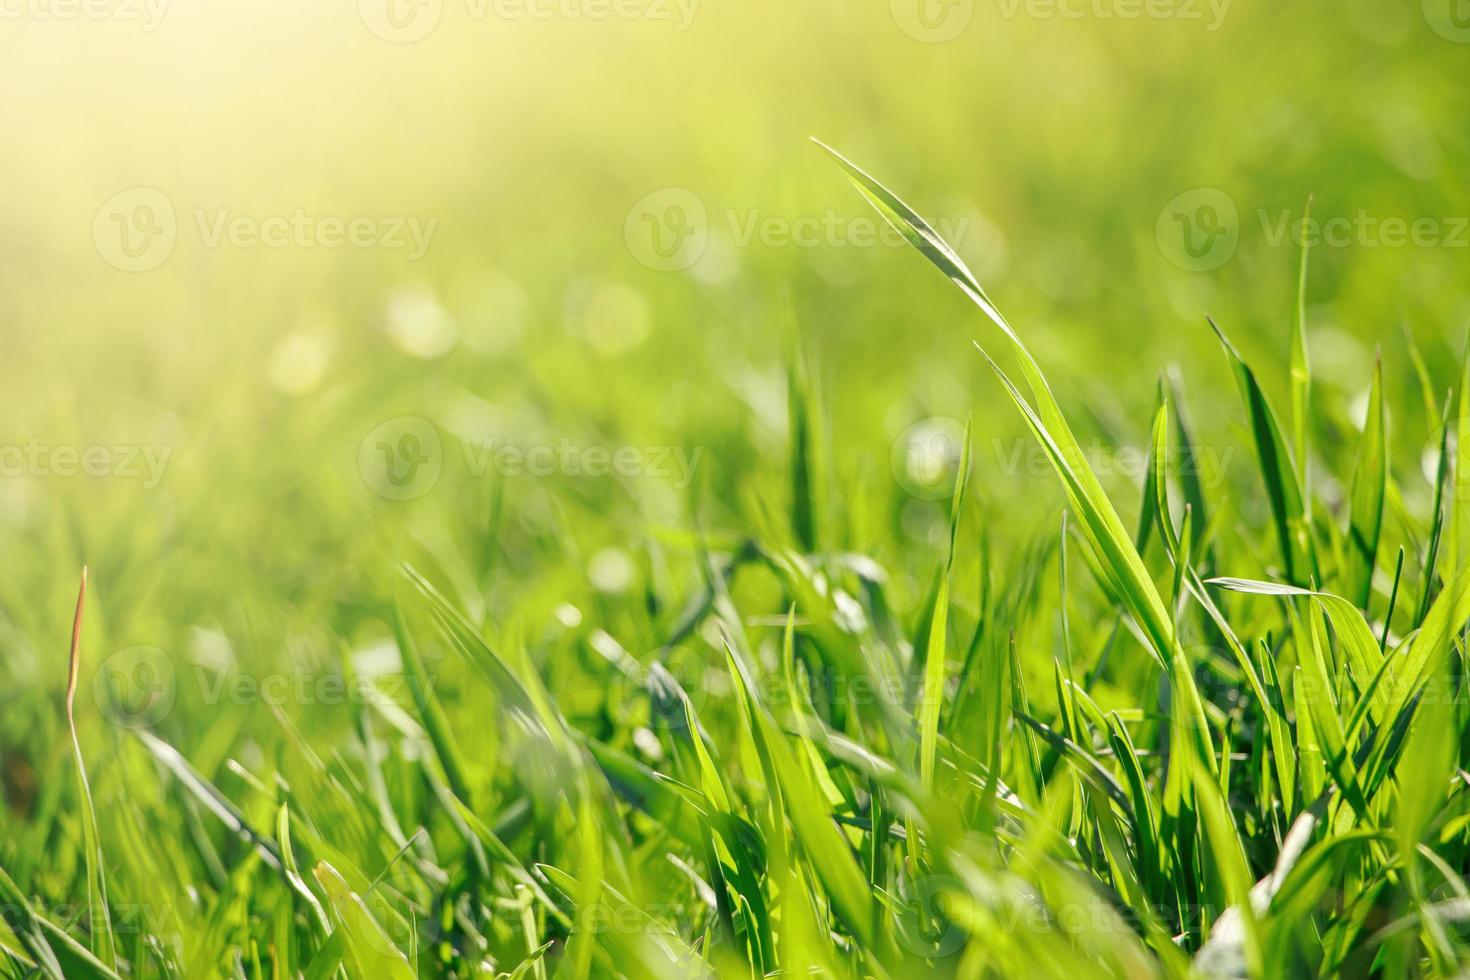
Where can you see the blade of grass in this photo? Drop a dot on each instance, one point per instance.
(99, 915)
(1370, 483)
(933, 666)
(1301, 367)
(1437, 518)
(1278, 470)
(367, 944)
(1104, 529)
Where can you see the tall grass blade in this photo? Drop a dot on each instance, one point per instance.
(1278, 471)
(99, 914)
(1370, 484)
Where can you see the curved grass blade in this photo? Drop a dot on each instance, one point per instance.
(1119, 555)
(1363, 653)
(431, 713)
(208, 794)
(1104, 529)
(104, 943)
(368, 946)
(293, 873)
(516, 698)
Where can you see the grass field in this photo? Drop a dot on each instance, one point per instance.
(485, 494)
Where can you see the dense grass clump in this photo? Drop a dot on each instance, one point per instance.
(1237, 750)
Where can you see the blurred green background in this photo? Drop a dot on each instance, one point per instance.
(625, 235)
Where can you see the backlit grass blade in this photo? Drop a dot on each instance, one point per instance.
(523, 699)
(99, 915)
(1283, 751)
(1459, 546)
(1370, 481)
(1086, 764)
(1156, 488)
(209, 795)
(933, 665)
(808, 503)
(1236, 936)
(725, 842)
(431, 713)
(1433, 644)
(1457, 550)
(1104, 528)
(1278, 471)
(1149, 505)
(1145, 816)
(367, 944)
(1424, 773)
(1116, 550)
(1429, 571)
(293, 873)
(1191, 471)
(1355, 638)
(1301, 367)
(821, 842)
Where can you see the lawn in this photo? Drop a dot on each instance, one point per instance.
(682, 489)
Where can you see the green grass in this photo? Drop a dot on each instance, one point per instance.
(1210, 727)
